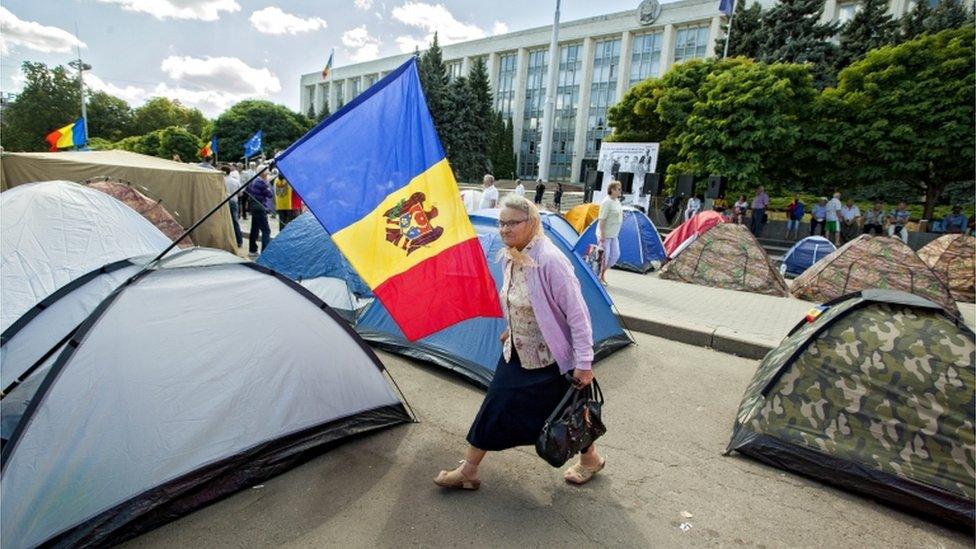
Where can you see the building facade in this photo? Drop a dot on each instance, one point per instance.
(600, 58)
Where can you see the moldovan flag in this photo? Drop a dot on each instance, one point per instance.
(375, 175)
(72, 135)
(210, 149)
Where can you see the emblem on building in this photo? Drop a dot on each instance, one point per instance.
(408, 224)
(648, 11)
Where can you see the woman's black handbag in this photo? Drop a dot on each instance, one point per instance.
(573, 426)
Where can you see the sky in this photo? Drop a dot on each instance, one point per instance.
(209, 54)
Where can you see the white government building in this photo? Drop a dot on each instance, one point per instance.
(599, 59)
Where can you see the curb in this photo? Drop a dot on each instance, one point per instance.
(714, 339)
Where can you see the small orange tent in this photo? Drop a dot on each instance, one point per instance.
(581, 216)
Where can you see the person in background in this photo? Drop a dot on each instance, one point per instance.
(548, 336)
(519, 187)
(956, 221)
(261, 200)
(287, 202)
(850, 219)
(557, 197)
(176, 158)
(818, 216)
(739, 210)
(719, 205)
(833, 219)
(232, 181)
(694, 206)
(759, 204)
(898, 222)
(794, 215)
(246, 177)
(489, 197)
(540, 190)
(875, 220)
(609, 220)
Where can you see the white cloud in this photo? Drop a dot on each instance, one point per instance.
(210, 102)
(408, 44)
(361, 45)
(132, 95)
(223, 74)
(271, 20)
(204, 10)
(436, 17)
(364, 4)
(499, 28)
(14, 31)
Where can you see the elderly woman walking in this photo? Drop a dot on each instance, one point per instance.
(548, 336)
(609, 221)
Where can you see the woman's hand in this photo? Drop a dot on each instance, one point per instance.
(504, 336)
(582, 378)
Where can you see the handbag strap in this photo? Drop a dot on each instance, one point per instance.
(572, 392)
(596, 393)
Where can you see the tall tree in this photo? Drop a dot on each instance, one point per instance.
(870, 28)
(501, 154)
(108, 116)
(913, 21)
(906, 113)
(746, 34)
(483, 115)
(458, 131)
(433, 78)
(311, 112)
(162, 112)
(793, 33)
(324, 114)
(947, 15)
(237, 124)
(50, 100)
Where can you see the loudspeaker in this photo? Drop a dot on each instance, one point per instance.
(716, 186)
(652, 184)
(686, 186)
(626, 180)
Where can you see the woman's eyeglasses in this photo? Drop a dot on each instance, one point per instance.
(510, 224)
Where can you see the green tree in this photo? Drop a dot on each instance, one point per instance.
(50, 100)
(108, 116)
(162, 112)
(870, 28)
(746, 124)
(281, 126)
(501, 153)
(324, 114)
(948, 15)
(457, 131)
(311, 112)
(793, 33)
(479, 140)
(913, 21)
(176, 140)
(747, 37)
(433, 79)
(906, 113)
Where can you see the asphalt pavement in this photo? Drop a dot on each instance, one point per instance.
(670, 408)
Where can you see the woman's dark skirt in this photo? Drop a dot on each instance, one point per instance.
(517, 405)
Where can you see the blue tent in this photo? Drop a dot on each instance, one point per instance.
(640, 243)
(560, 226)
(304, 251)
(805, 253)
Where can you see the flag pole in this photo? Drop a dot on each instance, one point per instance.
(545, 149)
(728, 33)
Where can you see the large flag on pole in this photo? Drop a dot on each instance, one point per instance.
(328, 65)
(726, 7)
(72, 135)
(375, 175)
(253, 145)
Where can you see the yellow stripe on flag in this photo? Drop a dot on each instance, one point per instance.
(67, 137)
(426, 217)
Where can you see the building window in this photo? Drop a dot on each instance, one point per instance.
(603, 91)
(505, 88)
(645, 61)
(453, 70)
(535, 95)
(370, 80)
(340, 98)
(354, 88)
(690, 43)
(845, 12)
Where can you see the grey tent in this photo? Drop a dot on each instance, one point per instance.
(186, 382)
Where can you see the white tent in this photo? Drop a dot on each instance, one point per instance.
(471, 199)
(192, 380)
(53, 232)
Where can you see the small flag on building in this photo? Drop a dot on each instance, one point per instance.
(210, 149)
(253, 145)
(376, 177)
(328, 65)
(72, 135)
(726, 7)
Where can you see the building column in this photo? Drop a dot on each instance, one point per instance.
(829, 12)
(317, 98)
(494, 63)
(518, 111)
(667, 48)
(623, 72)
(465, 66)
(583, 109)
(714, 30)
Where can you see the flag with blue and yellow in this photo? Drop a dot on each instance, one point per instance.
(376, 177)
(72, 135)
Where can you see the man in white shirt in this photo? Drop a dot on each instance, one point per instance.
(833, 222)
(519, 187)
(489, 198)
(850, 217)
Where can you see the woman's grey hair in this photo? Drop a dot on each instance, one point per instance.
(614, 185)
(525, 206)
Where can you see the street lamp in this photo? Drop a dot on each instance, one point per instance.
(81, 66)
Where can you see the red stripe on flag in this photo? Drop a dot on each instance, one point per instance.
(52, 139)
(452, 286)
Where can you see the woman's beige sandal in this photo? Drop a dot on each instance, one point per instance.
(456, 479)
(581, 474)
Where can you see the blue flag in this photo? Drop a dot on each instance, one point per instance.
(253, 145)
(213, 145)
(726, 7)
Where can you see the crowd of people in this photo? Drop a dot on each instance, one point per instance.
(267, 195)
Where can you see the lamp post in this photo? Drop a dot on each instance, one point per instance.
(545, 150)
(81, 66)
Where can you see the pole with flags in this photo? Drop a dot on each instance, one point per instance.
(548, 113)
(728, 8)
(327, 75)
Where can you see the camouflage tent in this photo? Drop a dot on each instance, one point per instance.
(726, 256)
(874, 395)
(951, 257)
(872, 262)
(152, 210)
